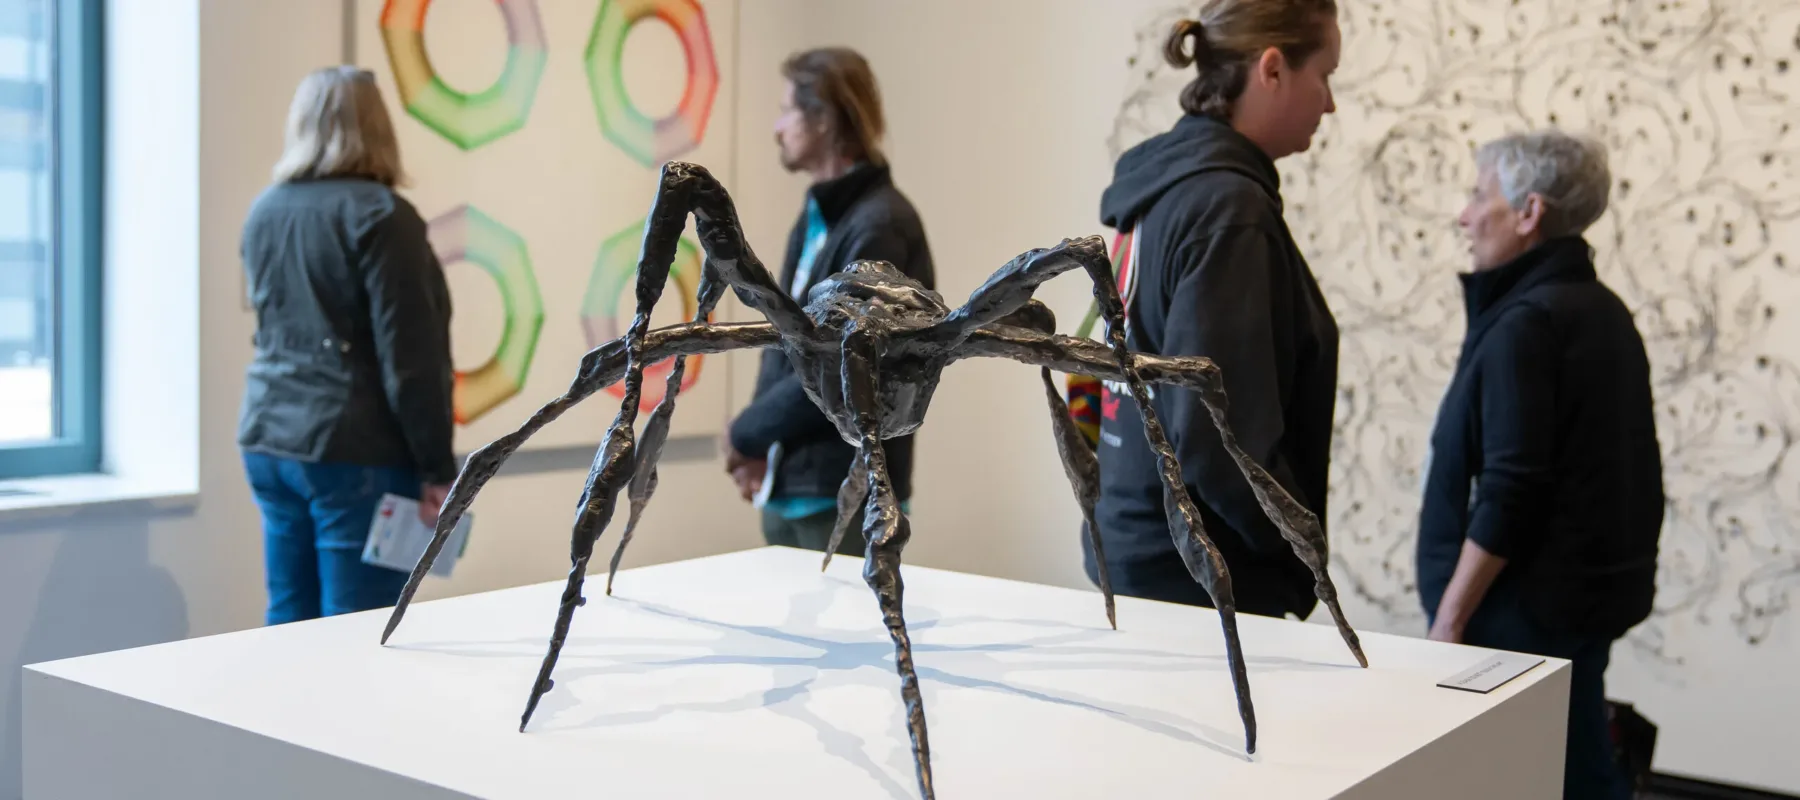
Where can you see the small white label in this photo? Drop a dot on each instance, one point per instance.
(1493, 672)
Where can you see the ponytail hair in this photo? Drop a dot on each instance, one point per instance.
(1228, 39)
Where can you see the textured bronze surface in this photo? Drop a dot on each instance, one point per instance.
(869, 347)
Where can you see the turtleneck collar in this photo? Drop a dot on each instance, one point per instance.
(1563, 259)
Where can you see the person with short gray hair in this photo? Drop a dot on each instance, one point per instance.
(1543, 498)
(1568, 174)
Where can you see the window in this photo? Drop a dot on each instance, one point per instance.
(50, 252)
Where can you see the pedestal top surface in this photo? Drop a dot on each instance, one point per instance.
(752, 674)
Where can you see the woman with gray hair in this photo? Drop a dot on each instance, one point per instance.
(348, 396)
(1543, 491)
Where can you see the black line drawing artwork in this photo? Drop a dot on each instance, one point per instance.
(1698, 103)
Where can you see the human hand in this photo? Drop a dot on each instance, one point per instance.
(734, 460)
(748, 476)
(431, 500)
(1446, 629)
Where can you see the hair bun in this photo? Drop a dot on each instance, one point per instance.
(1175, 48)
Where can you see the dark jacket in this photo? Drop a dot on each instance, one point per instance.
(1218, 275)
(1544, 451)
(353, 330)
(867, 218)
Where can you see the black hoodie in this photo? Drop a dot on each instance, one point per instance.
(1217, 275)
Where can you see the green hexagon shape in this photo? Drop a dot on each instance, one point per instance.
(466, 120)
(650, 141)
(466, 234)
(614, 282)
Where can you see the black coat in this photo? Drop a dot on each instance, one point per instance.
(1545, 451)
(867, 218)
(1217, 275)
(352, 337)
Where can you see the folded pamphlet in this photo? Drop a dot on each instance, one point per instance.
(397, 539)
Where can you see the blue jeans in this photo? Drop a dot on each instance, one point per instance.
(316, 519)
(1590, 769)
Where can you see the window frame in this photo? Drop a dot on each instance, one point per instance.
(79, 143)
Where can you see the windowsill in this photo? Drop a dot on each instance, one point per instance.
(28, 498)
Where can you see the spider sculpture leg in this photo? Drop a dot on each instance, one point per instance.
(1203, 559)
(684, 188)
(729, 261)
(600, 367)
(1081, 356)
(1007, 291)
(1083, 468)
(728, 256)
(1080, 463)
(656, 432)
(728, 252)
(850, 495)
(887, 530)
(1298, 525)
(616, 460)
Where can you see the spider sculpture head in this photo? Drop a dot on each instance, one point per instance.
(869, 346)
(874, 289)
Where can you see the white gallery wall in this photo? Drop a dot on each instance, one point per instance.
(1004, 119)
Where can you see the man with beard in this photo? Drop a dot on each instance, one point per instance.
(786, 456)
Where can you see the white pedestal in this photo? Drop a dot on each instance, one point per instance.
(752, 675)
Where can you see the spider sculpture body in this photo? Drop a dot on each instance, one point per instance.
(869, 347)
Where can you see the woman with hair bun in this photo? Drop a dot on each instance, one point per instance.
(1210, 269)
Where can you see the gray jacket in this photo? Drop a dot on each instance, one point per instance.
(352, 338)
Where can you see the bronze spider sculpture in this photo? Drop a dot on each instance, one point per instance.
(869, 347)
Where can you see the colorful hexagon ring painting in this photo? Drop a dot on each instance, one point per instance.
(611, 293)
(467, 120)
(650, 141)
(466, 234)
